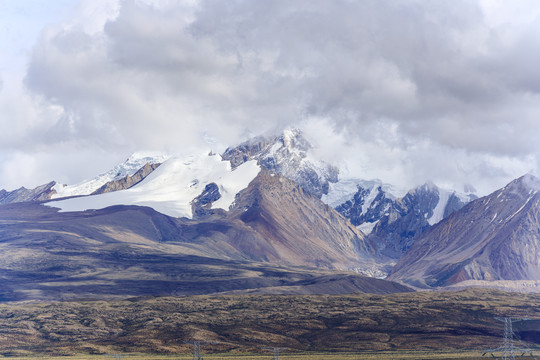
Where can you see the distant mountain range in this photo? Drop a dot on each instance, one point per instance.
(258, 212)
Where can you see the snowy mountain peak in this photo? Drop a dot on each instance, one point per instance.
(286, 154)
(129, 167)
(345, 189)
(528, 182)
(293, 139)
(144, 157)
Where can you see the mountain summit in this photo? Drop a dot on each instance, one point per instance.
(286, 154)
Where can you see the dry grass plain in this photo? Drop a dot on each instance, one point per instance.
(422, 325)
(383, 355)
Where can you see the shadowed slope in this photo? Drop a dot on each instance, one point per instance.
(297, 227)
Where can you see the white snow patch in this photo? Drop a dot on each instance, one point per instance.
(368, 201)
(233, 182)
(438, 212)
(521, 208)
(172, 186)
(340, 192)
(129, 167)
(345, 189)
(367, 227)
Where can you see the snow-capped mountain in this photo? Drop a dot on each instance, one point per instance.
(391, 220)
(128, 168)
(492, 238)
(286, 154)
(197, 186)
(171, 188)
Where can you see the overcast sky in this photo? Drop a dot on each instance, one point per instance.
(404, 91)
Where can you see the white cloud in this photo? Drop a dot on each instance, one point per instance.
(412, 90)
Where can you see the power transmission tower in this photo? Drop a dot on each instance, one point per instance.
(197, 351)
(276, 351)
(197, 355)
(508, 349)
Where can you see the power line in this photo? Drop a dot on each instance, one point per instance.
(117, 356)
(276, 351)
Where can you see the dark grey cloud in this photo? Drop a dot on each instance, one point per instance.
(429, 88)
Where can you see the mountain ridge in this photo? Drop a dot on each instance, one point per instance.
(492, 238)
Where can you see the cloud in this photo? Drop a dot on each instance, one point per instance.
(443, 90)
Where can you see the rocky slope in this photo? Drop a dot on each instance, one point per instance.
(127, 181)
(492, 238)
(297, 228)
(40, 193)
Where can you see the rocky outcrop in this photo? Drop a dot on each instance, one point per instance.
(40, 193)
(201, 206)
(127, 181)
(287, 155)
(492, 238)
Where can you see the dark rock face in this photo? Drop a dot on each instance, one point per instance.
(455, 203)
(405, 220)
(128, 181)
(286, 155)
(358, 211)
(353, 209)
(202, 205)
(492, 238)
(248, 150)
(40, 193)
